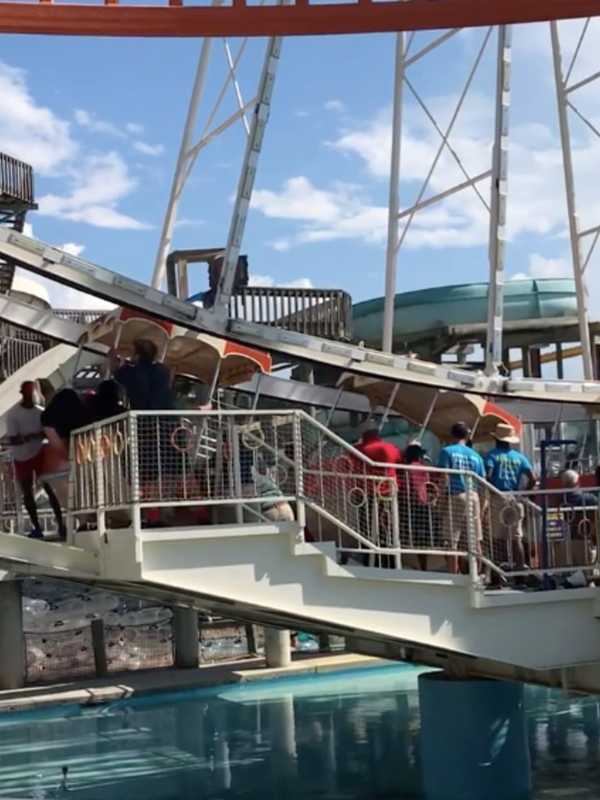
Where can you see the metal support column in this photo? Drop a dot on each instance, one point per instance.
(181, 170)
(578, 264)
(248, 174)
(495, 319)
(391, 258)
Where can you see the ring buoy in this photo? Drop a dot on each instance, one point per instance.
(357, 497)
(433, 493)
(118, 444)
(585, 527)
(386, 483)
(511, 514)
(105, 445)
(188, 440)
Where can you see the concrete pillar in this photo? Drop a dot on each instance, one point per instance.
(474, 740)
(12, 641)
(277, 648)
(185, 636)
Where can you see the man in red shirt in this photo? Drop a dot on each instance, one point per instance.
(371, 523)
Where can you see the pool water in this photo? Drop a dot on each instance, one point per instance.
(353, 734)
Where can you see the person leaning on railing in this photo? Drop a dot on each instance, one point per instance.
(508, 470)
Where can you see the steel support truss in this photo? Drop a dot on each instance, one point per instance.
(564, 93)
(496, 207)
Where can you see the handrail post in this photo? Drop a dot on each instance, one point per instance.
(100, 498)
(136, 515)
(299, 472)
(472, 538)
(396, 525)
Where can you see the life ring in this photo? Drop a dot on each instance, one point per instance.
(433, 493)
(118, 443)
(511, 514)
(585, 527)
(386, 483)
(188, 433)
(357, 497)
(253, 438)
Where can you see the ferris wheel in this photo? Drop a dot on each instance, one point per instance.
(446, 19)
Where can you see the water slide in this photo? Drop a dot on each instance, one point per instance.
(428, 311)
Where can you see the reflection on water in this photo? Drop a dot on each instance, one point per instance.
(350, 735)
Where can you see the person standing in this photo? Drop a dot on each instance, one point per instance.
(372, 524)
(462, 504)
(146, 381)
(25, 437)
(508, 470)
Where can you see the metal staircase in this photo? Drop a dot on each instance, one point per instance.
(16, 199)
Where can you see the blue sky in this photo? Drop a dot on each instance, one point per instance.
(101, 120)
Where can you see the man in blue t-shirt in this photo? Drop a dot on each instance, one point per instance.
(508, 470)
(461, 503)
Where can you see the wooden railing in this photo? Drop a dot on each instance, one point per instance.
(317, 312)
(16, 180)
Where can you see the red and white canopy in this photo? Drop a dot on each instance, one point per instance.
(185, 352)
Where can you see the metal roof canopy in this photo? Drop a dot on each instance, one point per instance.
(302, 18)
(78, 273)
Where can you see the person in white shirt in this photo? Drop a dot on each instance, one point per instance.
(25, 437)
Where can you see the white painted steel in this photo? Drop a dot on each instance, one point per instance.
(391, 259)
(497, 236)
(567, 158)
(183, 163)
(41, 258)
(254, 143)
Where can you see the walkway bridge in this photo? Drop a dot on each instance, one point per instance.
(190, 508)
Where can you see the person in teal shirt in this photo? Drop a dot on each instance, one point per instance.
(508, 470)
(461, 504)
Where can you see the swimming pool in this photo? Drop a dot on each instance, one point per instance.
(352, 734)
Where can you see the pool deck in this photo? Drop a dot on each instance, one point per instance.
(95, 691)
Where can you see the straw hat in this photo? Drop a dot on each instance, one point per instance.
(505, 433)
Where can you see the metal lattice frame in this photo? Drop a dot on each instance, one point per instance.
(564, 92)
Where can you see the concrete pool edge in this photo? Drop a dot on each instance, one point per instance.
(98, 691)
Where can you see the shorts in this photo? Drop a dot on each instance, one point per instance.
(27, 470)
(457, 508)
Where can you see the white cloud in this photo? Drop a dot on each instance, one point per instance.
(324, 214)
(134, 128)
(334, 105)
(94, 183)
(88, 120)
(72, 248)
(148, 149)
(96, 188)
(520, 276)
(300, 112)
(29, 131)
(541, 267)
(269, 281)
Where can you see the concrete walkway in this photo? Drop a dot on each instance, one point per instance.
(95, 691)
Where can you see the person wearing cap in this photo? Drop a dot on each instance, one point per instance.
(508, 470)
(462, 497)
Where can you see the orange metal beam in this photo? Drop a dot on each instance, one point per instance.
(302, 18)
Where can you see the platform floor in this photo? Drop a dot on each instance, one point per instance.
(95, 691)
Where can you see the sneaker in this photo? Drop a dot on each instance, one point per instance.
(36, 533)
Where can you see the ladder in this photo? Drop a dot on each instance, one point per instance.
(78, 273)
